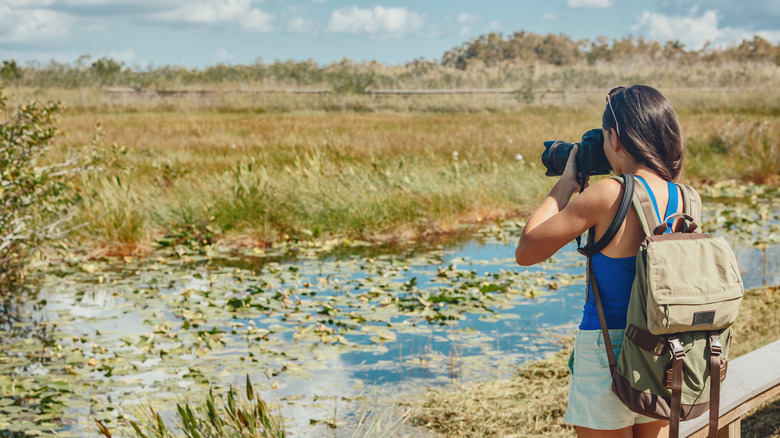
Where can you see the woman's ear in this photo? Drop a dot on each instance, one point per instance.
(617, 145)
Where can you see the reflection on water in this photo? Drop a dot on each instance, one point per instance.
(759, 267)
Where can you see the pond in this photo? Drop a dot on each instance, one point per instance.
(320, 334)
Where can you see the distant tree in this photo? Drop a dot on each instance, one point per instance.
(758, 49)
(558, 50)
(674, 49)
(105, 69)
(10, 71)
(346, 77)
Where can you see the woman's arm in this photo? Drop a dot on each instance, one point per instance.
(557, 222)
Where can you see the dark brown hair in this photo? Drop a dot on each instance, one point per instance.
(649, 129)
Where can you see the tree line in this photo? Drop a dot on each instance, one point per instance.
(525, 47)
(521, 48)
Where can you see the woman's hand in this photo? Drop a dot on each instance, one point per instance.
(569, 183)
(553, 225)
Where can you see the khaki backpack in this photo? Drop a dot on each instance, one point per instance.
(685, 297)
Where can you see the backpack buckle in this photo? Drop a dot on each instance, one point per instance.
(716, 348)
(678, 352)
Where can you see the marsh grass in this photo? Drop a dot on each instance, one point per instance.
(265, 179)
(261, 179)
(533, 403)
(741, 147)
(233, 414)
(258, 169)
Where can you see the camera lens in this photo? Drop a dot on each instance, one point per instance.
(555, 155)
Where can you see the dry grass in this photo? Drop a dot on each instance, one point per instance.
(534, 402)
(259, 169)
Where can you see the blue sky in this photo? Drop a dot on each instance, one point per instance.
(197, 33)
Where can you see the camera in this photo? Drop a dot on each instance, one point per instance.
(590, 159)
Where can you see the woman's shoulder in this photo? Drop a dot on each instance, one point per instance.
(599, 201)
(604, 193)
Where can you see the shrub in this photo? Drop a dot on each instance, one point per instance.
(35, 199)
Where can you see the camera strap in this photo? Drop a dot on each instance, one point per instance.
(625, 204)
(583, 181)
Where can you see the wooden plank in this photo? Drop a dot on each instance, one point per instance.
(378, 92)
(733, 430)
(445, 91)
(752, 379)
(139, 91)
(732, 417)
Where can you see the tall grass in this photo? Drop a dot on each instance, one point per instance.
(255, 169)
(257, 179)
(740, 147)
(233, 414)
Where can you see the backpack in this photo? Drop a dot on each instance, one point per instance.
(684, 299)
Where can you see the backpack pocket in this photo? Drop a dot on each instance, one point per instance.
(693, 284)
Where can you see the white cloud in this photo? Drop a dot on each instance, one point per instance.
(222, 55)
(26, 4)
(257, 21)
(464, 18)
(18, 25)
(98, 7)
(300, 25)
(550, 16)
(589, 4)
(220, 13)
(379, 22)
(466, 22)
(695, 31)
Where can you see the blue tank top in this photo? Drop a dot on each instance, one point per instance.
(615, 277)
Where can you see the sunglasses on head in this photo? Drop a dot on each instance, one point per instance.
(612, 93)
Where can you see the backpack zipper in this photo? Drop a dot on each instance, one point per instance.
(666, 310)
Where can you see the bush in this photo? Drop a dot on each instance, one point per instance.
(35, 200)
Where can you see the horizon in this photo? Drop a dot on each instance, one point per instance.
(147, 33)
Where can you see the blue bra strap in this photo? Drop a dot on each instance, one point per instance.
(671, 206)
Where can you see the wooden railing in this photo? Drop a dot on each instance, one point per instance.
(377, 92)
(752, 379)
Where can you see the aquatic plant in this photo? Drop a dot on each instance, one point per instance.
(223, 415)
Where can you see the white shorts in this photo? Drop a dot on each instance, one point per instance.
(592, 403)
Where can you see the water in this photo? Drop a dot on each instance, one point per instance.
(322, 336)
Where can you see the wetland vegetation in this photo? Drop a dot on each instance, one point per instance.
(332, 254)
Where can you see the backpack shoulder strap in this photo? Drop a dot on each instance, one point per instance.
(691, 202)
(627, 181)
(645, 211)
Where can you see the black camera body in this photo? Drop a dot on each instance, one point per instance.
(590, 159)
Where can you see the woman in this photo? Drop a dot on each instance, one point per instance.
(642, 137)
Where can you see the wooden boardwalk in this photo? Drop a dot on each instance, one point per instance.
(752, 379)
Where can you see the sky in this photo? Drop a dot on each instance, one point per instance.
(198, 33)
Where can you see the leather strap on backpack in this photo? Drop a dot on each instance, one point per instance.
(715, 377)
(678, 354)
(602, 320)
